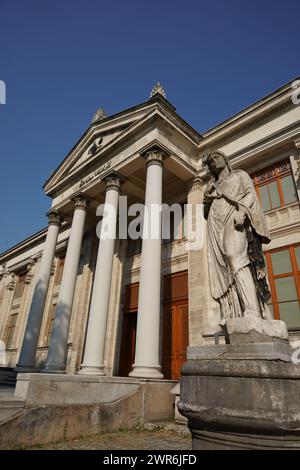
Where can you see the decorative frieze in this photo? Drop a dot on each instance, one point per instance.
(96, 173)
(278, 170)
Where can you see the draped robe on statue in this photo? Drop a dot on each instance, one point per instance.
(235, 260)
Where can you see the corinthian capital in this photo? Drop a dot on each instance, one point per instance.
(113, 181)
(80, 201)
(155, 156)
(54, 217)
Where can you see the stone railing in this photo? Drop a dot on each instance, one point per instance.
(283, 216)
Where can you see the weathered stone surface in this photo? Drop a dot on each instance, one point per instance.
(268, 351)
(179, 419)
(58, 407)
(252, 329)
(241, 404)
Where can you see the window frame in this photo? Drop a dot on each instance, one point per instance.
(10, 327)
(59, 270)
(274, 173)
(19, 286)
(49, 325)
(272, 277)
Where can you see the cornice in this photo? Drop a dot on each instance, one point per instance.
(278, 139)
(271, 100)
(268, 117)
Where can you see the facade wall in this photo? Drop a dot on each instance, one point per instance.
(245, 150)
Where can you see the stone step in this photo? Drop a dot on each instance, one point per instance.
(7, 376)
(9, 407)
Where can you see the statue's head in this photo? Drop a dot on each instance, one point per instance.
(216, 162)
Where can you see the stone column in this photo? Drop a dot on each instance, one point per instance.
(26, 361)
(146, 363)
(57, 353)
(93, 361)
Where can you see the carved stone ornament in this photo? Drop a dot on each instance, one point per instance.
(158, 89)
(154, 157)
(29, 275)
(112, 182)
(297, 145)
(81, 202)
(99, 114)
(95, 146)
(197, 183)
(54, 218)
(12, 283)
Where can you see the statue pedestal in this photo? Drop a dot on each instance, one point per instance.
(243, 395)
(252, 329)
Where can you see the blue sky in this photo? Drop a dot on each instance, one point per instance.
(61, 60)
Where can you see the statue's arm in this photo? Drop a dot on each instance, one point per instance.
(208, 196)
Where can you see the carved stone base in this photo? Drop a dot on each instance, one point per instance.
(240, 402)
(252, 329)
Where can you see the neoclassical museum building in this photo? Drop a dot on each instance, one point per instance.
(70, 304)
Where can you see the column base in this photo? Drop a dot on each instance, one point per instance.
(92, 370)
(146, 372)
(53, 370)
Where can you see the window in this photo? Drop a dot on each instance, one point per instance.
(275, 186)
(50, 324)
(10, 329)
(59, 270)
(20, 286)
(284, 275)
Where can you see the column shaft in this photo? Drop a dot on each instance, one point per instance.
(57, 353)
(26, 361)
(146, 362)
(93, 361)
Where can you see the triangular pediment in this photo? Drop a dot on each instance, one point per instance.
(93, 147)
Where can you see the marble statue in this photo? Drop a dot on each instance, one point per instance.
(236, 230)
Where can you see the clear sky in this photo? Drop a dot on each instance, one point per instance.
(63, 59)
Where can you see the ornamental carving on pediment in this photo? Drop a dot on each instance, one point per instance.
(99, 115)
(95, 146)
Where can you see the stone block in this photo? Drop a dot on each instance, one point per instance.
(240, 402)
(252, 329)
(266, 351)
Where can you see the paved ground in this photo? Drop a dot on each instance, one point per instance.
(164, 438)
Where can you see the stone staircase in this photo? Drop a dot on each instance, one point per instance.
(8, 376)
(9, 406)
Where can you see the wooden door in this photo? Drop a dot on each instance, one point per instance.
(175, 324)
(128, 338)
(127, 343)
